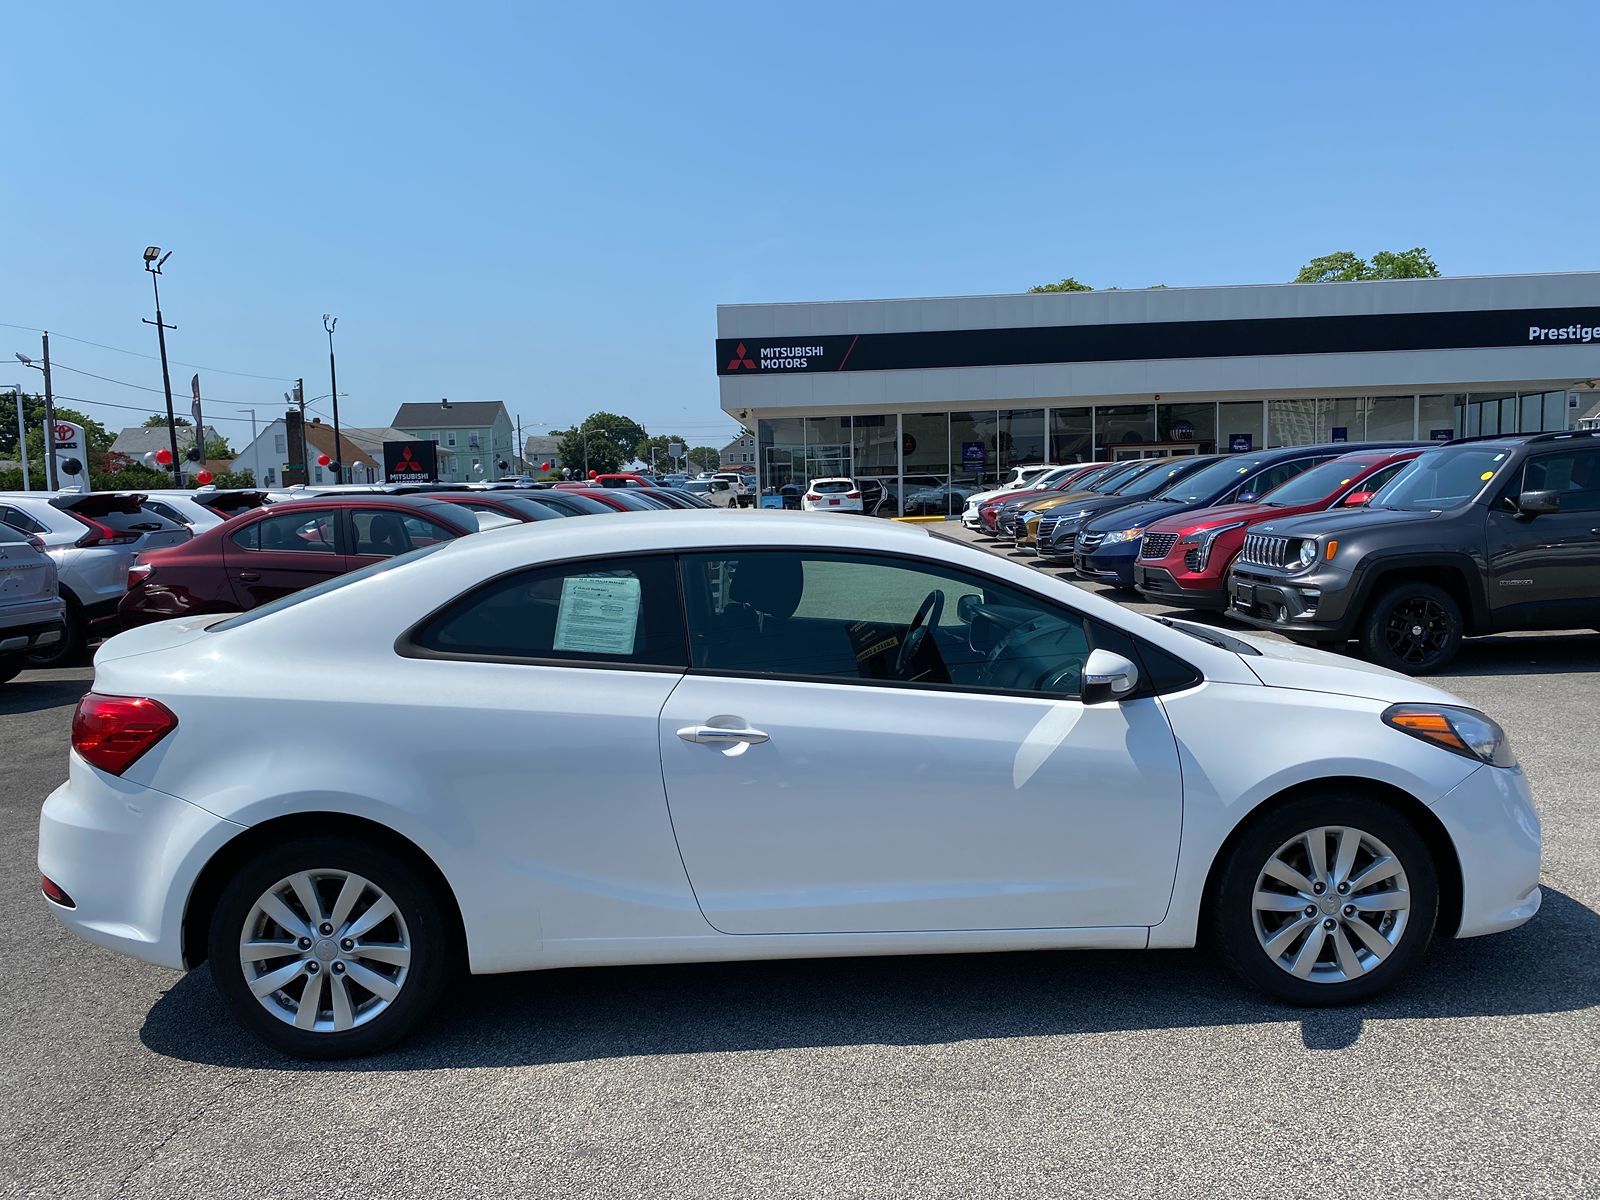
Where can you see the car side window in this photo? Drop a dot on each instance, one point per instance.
(296, 532)
(1382, 476)
(1573, 474)
(857, 618)
(20, 520)
(167, 511)
(622, 612)
(1264, 481)
(385, 532)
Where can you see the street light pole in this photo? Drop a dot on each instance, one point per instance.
(328, 323)
(151, 256)
(252, 413)
(51, 482)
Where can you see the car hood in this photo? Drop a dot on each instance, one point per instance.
(1340, 521)
(1286, 665)
(1131, 513)
(163, 635)
(1092, 505)
(1222, 514)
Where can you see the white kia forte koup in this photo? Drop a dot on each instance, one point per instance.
(662, 737)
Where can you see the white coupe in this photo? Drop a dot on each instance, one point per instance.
(660, 737)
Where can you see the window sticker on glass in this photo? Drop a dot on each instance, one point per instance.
(599, 614)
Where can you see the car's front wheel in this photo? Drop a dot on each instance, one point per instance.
(1326, 900)
(326, 948)
(1415, 628)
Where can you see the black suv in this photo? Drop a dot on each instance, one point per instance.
(1483, 535)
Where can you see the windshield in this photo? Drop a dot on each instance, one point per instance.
(827, 486)
(1157, 478)
(1318, 483)
(1213, 480)
(1443, 479)
(1112, 479)
(323, 588)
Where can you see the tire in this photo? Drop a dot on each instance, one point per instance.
(1413, 628)
(1281, 836)
(371, 1021)
(68, 652)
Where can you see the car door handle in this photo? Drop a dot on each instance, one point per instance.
(250, 576)
(713, 734)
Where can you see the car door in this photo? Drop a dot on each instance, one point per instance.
(1544, 570)
(818, 784)
(280, 553)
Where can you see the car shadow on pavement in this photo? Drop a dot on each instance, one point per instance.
(25, 695)
(1547, 966)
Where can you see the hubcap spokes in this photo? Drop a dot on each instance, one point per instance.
(1331, 904)
(325, 950)
(1417, 630)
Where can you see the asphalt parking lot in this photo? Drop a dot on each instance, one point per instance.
(1090, 1073)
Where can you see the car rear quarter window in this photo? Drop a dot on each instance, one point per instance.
(20, 520)
(614, 612)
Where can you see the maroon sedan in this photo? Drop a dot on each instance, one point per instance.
(273, 551)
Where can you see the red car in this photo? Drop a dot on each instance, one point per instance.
(270, 552)
(1184, 560)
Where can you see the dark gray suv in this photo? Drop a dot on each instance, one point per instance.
(1483, 535)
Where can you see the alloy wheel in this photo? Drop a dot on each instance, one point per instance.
(1331, 904)
(325, 950)
(1417, 630)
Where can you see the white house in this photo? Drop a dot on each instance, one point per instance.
(267, 456)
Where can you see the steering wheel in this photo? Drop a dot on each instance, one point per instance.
(928, 613)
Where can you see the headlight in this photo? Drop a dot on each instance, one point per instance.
(1462, 731)
(1308, 552)
(1204, 540)
(1122, 535)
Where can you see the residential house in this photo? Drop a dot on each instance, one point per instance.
(540, 449)
(134, 443)
(478, 433)
(739, 453)
(267, 456)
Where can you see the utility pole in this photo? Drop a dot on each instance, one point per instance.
(300, 399)
(521, 456)
(151, 256)
(50, 479)
(333, 385)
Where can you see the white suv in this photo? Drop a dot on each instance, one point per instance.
(93, 537)
(743, 497)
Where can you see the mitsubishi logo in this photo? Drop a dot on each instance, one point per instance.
(741, 359)
(407, 462)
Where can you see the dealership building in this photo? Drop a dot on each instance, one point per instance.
(958, 390)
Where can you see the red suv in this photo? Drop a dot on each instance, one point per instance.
(273, 551)
(1184, 559)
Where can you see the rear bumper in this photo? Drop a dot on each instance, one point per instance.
(128, 857)
(1158, 583)
(1492, 824)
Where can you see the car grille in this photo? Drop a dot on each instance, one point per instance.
(1088, 542)
(1265, 550)
(1008, 524)
(1047, 526)
(1157, 545)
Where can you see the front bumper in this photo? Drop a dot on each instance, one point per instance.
(1158, 583)
(1492, 824)
(1111, 564)
(128, 856)
(1273, 602)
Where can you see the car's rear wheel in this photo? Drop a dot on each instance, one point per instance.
(326, 948)
(1414, 628)
(69, 650)
(1326, 900)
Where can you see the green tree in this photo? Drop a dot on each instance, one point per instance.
(605, 439)
(235, 479)
(157, 421)
(659, 444)
(705, 458)
(1069, 284)
(1344, 266)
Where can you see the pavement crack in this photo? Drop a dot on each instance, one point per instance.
(155, 1150)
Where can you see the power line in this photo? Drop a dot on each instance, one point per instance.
(134, 408)
(152, 357)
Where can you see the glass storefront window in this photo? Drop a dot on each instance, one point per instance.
(1394, 418)
(1122, 424)
(975, 458)
(827, 448)
(1436, 414)
(1239, 426)
(1020, 442)
(782, 445)
(1555, 410)
(1349, 416)
(925, 443)
(1293, 423)
(1187, 423)
(873, 450)
(1072, 435)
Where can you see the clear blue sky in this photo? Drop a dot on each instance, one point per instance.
(544, 203)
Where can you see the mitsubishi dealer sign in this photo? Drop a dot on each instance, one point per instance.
(411, 462)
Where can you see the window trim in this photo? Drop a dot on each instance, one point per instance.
(338, 551)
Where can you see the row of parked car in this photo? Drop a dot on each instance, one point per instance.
(78, 565)
(1404, 549)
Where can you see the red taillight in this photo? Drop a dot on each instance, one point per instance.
(113, 732)
(813, 497)
(55, 893)
(139, 573)
(852, 495)
(101, 535)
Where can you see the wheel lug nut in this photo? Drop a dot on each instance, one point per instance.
(1349, 910)
(312, 968)
(1328, 924)
(347, 944)
(304, 943)
(1343, 888)
(338, 967)
(325, 929)
(1311, 910)
(1319, 887)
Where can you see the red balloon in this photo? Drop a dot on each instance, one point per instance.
(594, 474)
(324, 460)
(164, 457)
(544, 466)
(203, 477)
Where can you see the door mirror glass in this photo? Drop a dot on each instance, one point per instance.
(1357, 499)
(1108, 677)
(968, 607)
(1247, 497)
(1531, 504)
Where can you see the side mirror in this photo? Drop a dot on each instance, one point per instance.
(1531, 504)
(1357, 499)
(1108, 677)
(967, 607)
(1248, 497)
